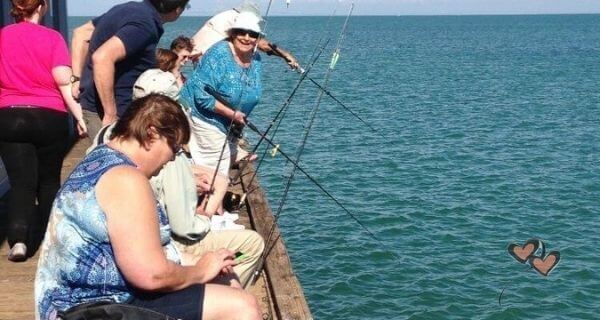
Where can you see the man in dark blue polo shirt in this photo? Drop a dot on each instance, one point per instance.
(111, 51)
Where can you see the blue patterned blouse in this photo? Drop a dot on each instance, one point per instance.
(219, 72)
(77, 264)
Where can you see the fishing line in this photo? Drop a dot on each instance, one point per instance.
(327, 92)
(315, 182)
(314, 57)
(219, 97)
(300, 149)
(335, 58)
(280, 112)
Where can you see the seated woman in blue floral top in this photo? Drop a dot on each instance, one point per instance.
(221, 92)
(109, 239)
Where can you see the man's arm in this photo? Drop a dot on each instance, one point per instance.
(270, 48)
(104, 60)
(79, 48)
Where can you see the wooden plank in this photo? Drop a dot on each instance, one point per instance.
(17, 279)
(278, 291)
(289, 300)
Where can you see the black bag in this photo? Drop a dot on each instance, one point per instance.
(107, 310)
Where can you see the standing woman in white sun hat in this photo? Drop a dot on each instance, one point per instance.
(221, 92)
(215, 30)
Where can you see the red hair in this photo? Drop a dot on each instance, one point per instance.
(22, 9)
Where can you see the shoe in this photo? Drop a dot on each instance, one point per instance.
(18, 252)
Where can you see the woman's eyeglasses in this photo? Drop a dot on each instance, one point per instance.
(250, 33)
(177, 149)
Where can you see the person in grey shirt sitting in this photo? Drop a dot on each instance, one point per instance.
(177, 186)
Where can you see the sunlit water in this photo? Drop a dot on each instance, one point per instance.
(491, 133)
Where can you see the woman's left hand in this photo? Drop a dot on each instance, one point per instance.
(239, 117)
(81, 128)
(214, 262)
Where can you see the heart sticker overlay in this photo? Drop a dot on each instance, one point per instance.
(522, 254)
(546, 265)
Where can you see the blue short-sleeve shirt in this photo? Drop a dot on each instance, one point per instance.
(139, 26)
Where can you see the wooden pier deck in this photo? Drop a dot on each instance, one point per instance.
(278, 290)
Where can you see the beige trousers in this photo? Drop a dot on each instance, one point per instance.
(249, 242)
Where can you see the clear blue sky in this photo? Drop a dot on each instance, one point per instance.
(371, 7)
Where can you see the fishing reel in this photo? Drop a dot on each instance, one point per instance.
(233, 202)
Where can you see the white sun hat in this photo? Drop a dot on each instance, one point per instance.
(156, 81)
(248, 6)
(247, 20)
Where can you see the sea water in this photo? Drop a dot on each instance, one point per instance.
(488, 133)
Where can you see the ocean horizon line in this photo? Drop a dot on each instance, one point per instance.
(400, 15)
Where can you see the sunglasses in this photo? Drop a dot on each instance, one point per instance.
(243, 32)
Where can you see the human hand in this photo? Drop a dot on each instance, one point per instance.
(292, 62)
(109, 119)
(213, 263)
(81, 128)
(202, 180)
(239, 117)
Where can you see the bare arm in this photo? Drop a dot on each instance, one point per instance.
(104, 60)
(132, 221)
(270, 48)
(62, 75)
(234, 115)
(79, 49)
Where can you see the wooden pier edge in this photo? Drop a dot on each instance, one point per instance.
(286, 293)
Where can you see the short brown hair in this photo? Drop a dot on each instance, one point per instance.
(154, 110)
(22, 9)
(166, 59)
(182, 43)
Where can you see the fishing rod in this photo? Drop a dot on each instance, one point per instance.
(324, 90)
(304, 73)
(279, 113)
(299, 154)
(315, 182)
(275, 50)
(219, 97)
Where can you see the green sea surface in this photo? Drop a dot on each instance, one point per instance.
(489, 135)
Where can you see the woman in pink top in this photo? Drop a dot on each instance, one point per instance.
(35, 92)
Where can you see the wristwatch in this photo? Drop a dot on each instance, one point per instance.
(74, 79)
